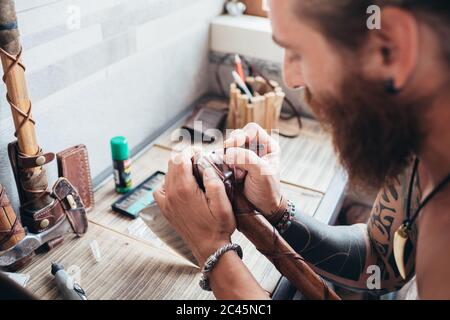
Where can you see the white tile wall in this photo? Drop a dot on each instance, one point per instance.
(46, 54)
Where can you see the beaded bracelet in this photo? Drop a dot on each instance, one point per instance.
(286, 221)
(213, 260)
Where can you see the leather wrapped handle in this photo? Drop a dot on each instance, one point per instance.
(11, 230)
(269, 242)
(9, 32)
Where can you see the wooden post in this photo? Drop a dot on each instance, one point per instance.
(20, 103)
(34, 179)
(14, 78)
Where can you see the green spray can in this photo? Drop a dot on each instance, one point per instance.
(121, 164)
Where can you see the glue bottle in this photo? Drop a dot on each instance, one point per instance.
(121, 164)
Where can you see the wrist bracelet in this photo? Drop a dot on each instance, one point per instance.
(213, 260)
(278, 214)
(286, 221)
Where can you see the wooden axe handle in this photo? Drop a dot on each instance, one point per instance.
(14, 78)
(268, 241)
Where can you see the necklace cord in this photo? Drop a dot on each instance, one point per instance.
(440, 187)
(407, 222)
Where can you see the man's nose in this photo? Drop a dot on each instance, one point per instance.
(293, 73)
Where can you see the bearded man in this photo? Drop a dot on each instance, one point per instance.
(384, 95)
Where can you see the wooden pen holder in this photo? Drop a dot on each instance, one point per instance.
(256, 8)
(264, 108)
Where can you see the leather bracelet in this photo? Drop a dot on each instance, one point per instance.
(278, 214)
(212, 261)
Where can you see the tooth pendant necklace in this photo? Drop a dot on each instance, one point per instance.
(402, 235)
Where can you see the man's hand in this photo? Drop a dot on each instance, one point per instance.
(262, 183)
(204, 220)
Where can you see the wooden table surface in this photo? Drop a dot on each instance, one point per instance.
(136, 265)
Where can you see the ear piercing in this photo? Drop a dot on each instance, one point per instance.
(390, 87)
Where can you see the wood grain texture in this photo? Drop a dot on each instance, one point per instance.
(128, 270)
(18, 93)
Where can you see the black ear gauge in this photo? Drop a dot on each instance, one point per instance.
(389, 87)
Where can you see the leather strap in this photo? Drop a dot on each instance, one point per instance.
(41, 220)
(4, 200)
(27, 162)
(278, 214)
(16, 62)
(72, 205)
(35, 185)
(67, 202)
(5, 235)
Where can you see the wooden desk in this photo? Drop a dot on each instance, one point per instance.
(135, 265)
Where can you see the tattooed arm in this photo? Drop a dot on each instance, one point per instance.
(343, 254)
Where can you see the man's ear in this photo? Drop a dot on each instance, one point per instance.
(392, 52)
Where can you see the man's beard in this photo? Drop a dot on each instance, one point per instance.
(374, 134)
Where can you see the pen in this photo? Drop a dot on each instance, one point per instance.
(69, 289)
(239, 68)
(242, 84)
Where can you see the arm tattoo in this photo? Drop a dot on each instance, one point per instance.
(342, 254)
(338, 250)
(338, 253)
(388, 214)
